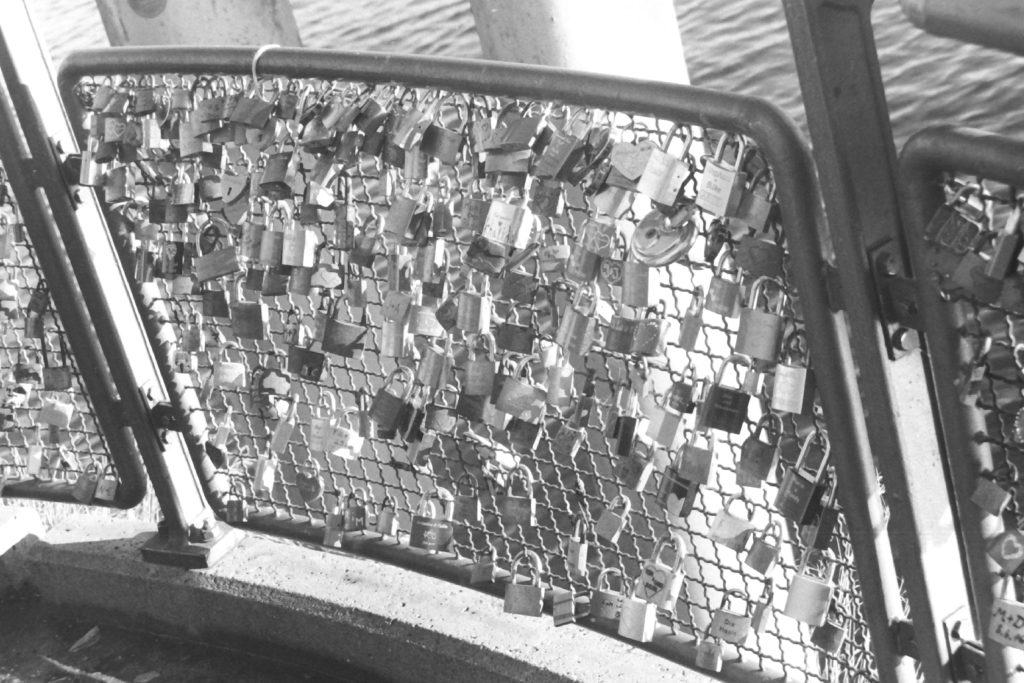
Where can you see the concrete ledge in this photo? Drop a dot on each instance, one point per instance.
(384, 620)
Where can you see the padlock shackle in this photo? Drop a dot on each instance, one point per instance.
(678, 547)
(718, 266)
(734, 593)
(772, 530)
(535, 564)
(736, 358)
(825, 556)
(758, 288)
(523, 473)
(773, 423)
(464, 479)
(604, 584)
(805, 449)
(731, 499)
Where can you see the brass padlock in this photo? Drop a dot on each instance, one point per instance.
(518, 510)
(809, 596)
(432, 527)
(756, 206)
(729, 530)
(800, 491)
(757, 456)
(345, 338)
(661, 582)
(525, 598)
(760, 331)
(762, 555)
(613, 519)
(721, 186)
(650, 333)
(514, 337)
(664, 174)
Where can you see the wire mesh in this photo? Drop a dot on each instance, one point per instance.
(49, 434)
(358, 180)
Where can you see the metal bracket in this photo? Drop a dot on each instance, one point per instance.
(897, 301)
(162, 415)
(833, 287)
(905, 637)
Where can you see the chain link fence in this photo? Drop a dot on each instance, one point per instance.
(382, 193)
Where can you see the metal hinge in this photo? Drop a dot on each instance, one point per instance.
(897, 303)
(163, 417)
(966, 656)
(904, 637)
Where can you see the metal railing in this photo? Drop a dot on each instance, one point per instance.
(958, 179)
(300, 497)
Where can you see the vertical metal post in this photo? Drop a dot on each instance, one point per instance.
(849, 121)
(192, 536)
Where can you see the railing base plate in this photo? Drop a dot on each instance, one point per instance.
(160, 550)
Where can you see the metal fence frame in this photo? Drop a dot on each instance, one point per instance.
(924, 160)
(786, 152)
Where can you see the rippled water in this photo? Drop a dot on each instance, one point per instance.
(737, 45)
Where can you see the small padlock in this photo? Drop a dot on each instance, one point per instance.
(724, 294)
(1004, 625)
(709, 654)
(355, 510)
(990, 496)
(721, 186)
(235, 509)
(830, 635)
(661, 582)
(85, 486)
(634, 470)
(480, 370)
(793, 388)
(281, 437)
(810, 596)
(613, 519)
(518, 510)
(577, 547)
(689, 326)
(762, 555)
(474, 308)
(800, 491)
(1007, 549)
(637, 618)
(334, 524)
(514, 337)
(578, 327)
(650, 335)
(389, 407)
(106, 487)
(756, 207)
(729, 625)
(387, 521)
(676, 492)
(519, 397)
(757, 456)
(726, 408)
(762, 609)
(432, 527)
(525, 598)
(484, 564)
(664, 175)
(248, 318)
(760, 331)
(729, 530)
(605, 603)
(265, 474)
(466, 505)
(818, 532)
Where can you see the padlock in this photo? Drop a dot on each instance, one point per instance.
(387, 521)
(729, 530)
(605, 603)
(85, 486)
(509, 222)
(756, 206)
(474, 307)
(514, 337)
(762, 609)
(664, 426)
(56, 413)
(344, 338)
(480, 371)
(264, 474)
(308, 480)
(248, 318)
(220, 261)
(518, 510)
(634, 470)
(577, 548)
(466, 506)
(818, 532)
(990, 496)
(389, 407)
(355, 510)
(664, 174)
(55, 377)
(299, 246)
(810, 596)
(432, 527)
(640, 284)
(106, 487)
(1007, 549)
(578, 327)
(709, 654)
(724, 294)
(612, 519)
(569, 606)
(637, 618)
(676, 492)
(793, 389)
(762, 555)
(1004, 625)
(689, 326)
(760, 331)
(334, 523)
(757, 456)
(650, 333)
(484, 564)
(620, 334)
(519, 397)
(830, 635)
(660, 582)
(721, 186)
(725, 407)
(729, 625)
(800, 491)
(525, 598)
(281, 437)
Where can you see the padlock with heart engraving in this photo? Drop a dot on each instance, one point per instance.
(724, 292)
(1007, 549)
(762, 555)
(793, 387)
(660, 582)
(731, 625)
(730, 530)
(606, 603)
(759, 451)
(677, 492)
(518, 510)
(466, 506)
(725, 407)
(613, 519)
(801, 489)
(721, 185)
(760, 331)
(389, 404)
(432, 526)
(810, 596)
(525, 598)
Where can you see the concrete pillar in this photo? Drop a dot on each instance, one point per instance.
(199, 22)
(638, 39)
